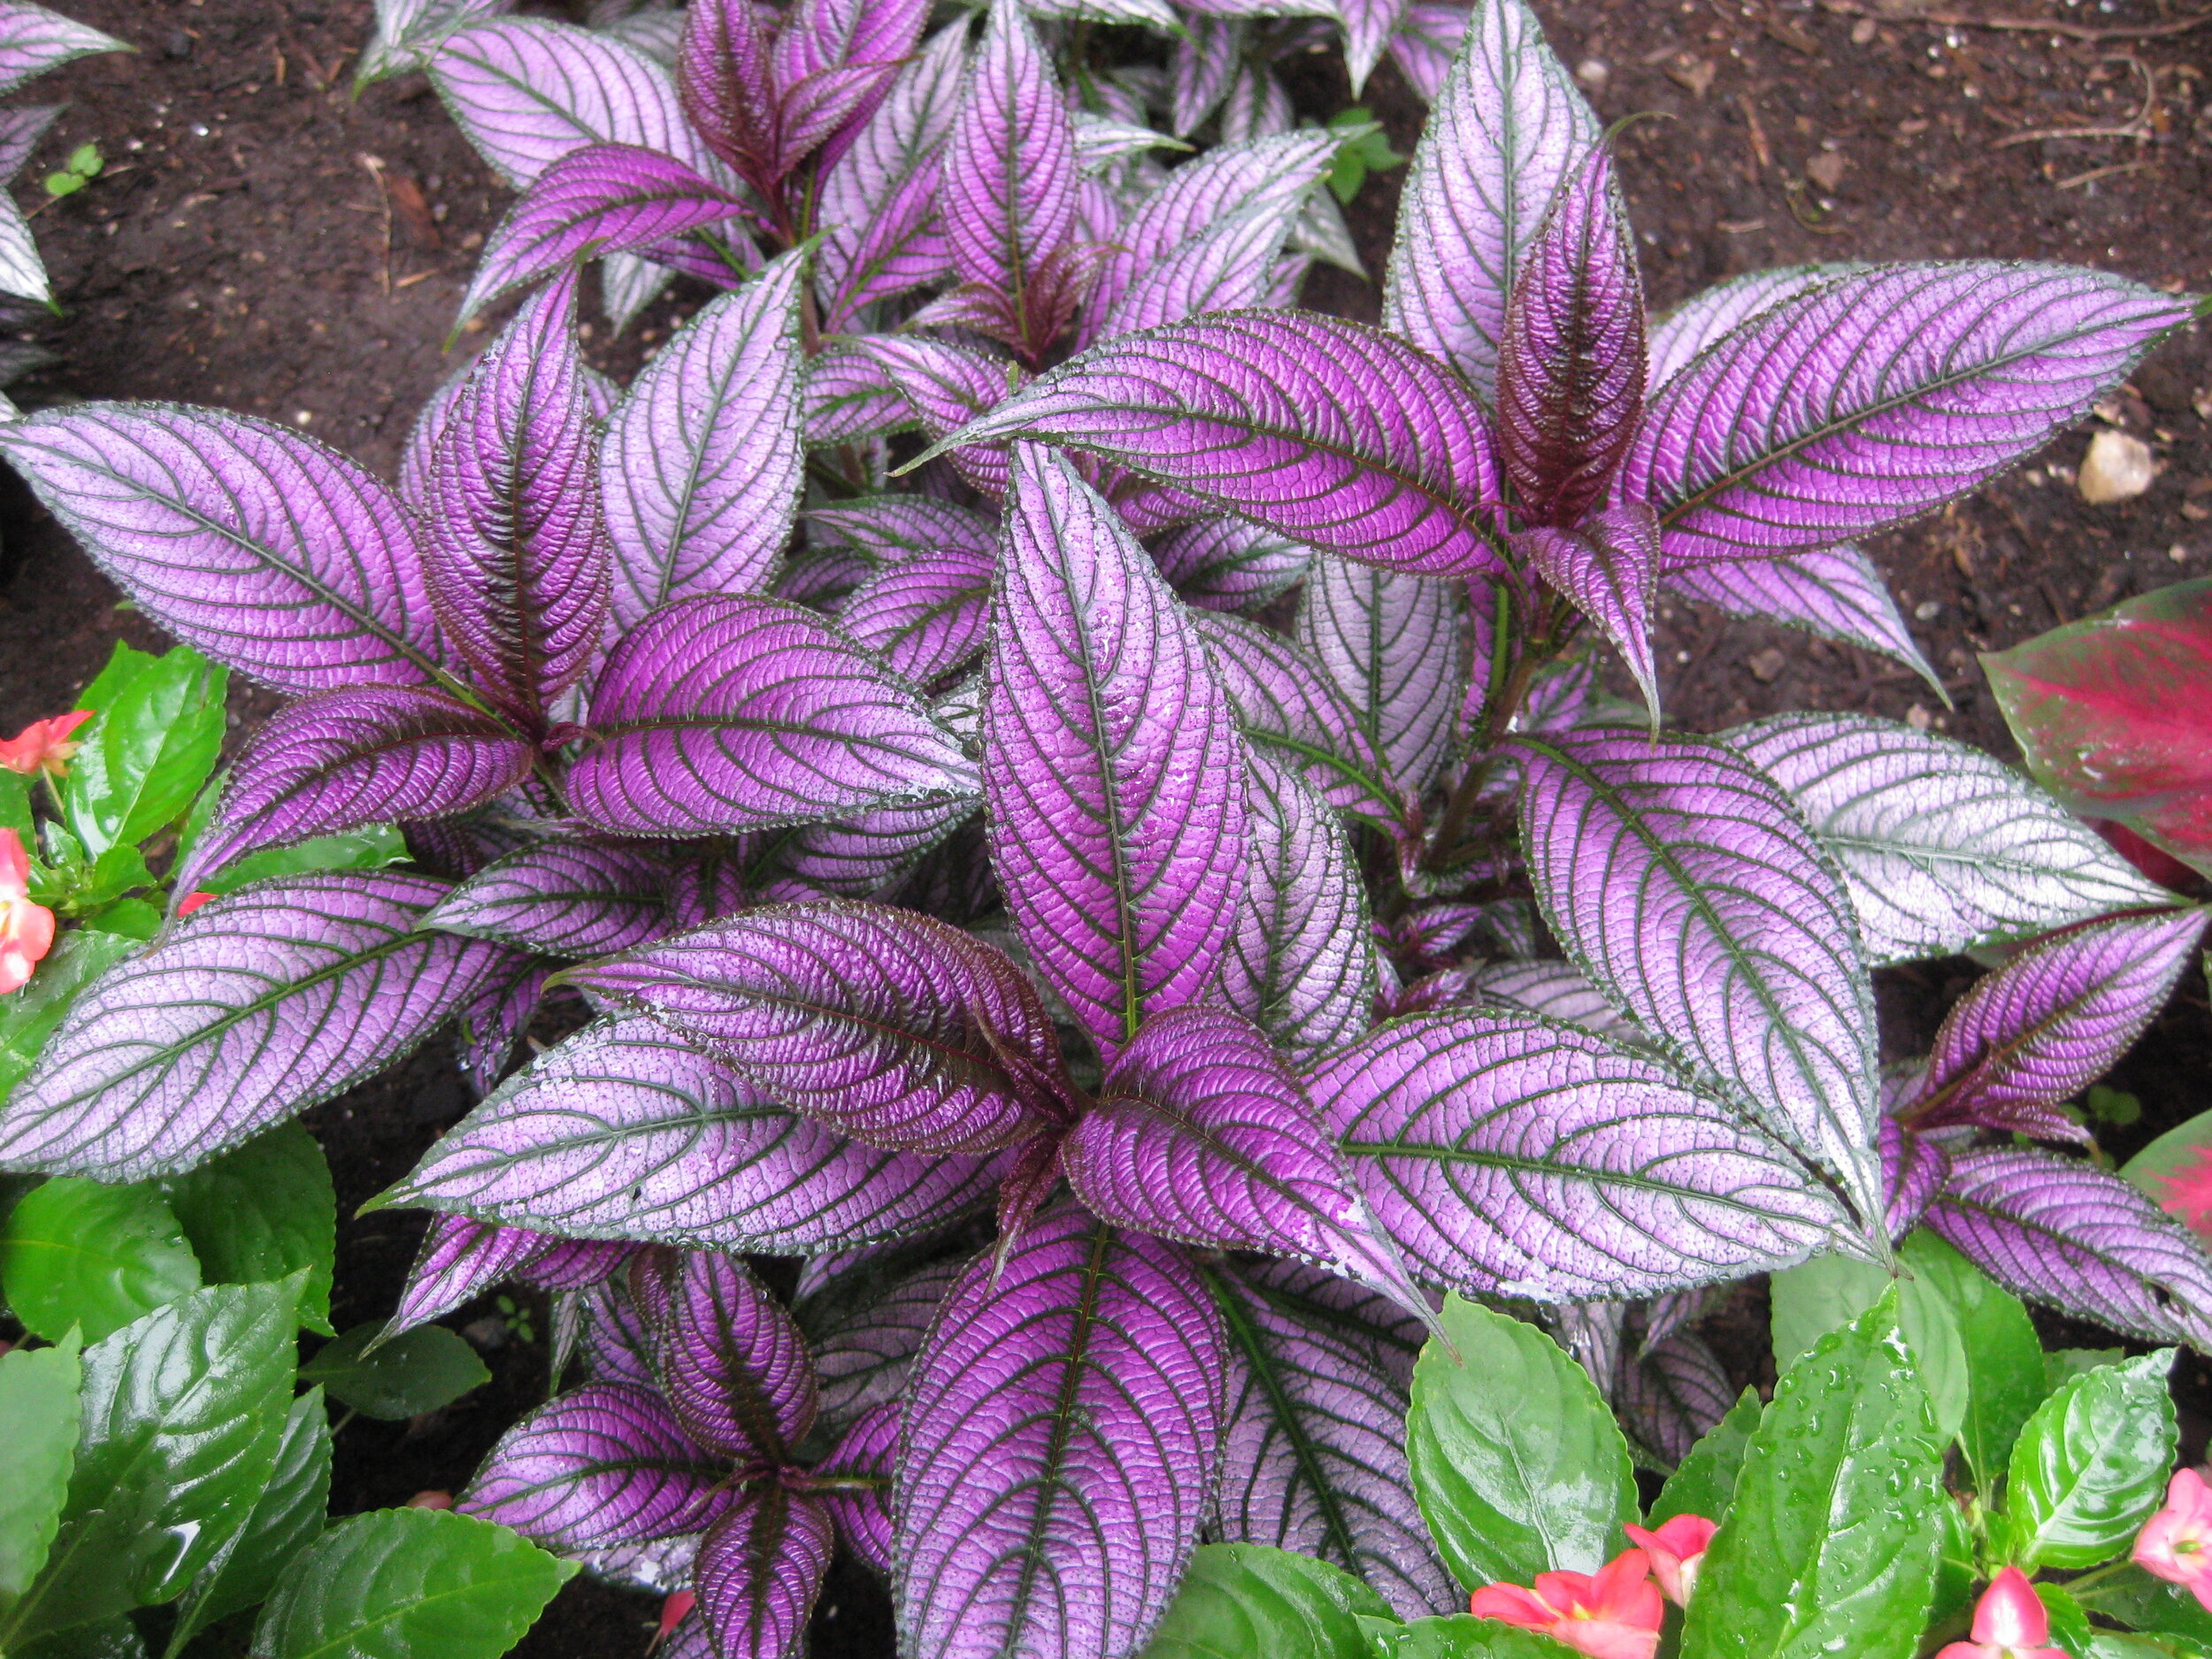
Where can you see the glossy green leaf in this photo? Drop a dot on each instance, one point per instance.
(39, 1403)
(370, 849)
(2061, 1365)
(1958, 1566)
(1245, 1600)
(2133, 1597)
(82, 1254)
(409, 1584)
(105, 1639)
(146, 754)
(122, 869)
(1705, 1482)
(1848, 1435)
(418, 1370)
(2112, 1644)
(125, 663)
(1509, 1490)
(15, 807)
(2003, 1356)
(183, 1413)
(135, 918)
(262, 1210)
(1830, 1292)
(2090, 1465)
(2070, 1623)
(1457, 1636)
(27, 1016)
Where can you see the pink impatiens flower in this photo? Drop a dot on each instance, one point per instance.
(1614, 1613)
(192, 902)
(2176, 1544)
(44, 745)
(1676, 1550)
(27, 930)
(2010, 1621)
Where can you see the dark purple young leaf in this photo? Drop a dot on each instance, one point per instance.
(1227, 565)
(1864, 401)
(1394, 648)
(887, 1024)
(258, 1005)
(1674, 1395)
(1719, 311)
(947, 386)
(1685, 887)
(34, 40)
(1835, 593)
(460, 1259)
(1509, 1156)
(2052, 1021)
(1058, 1449)
(759, 1569)
(1329, 432)
(726, 712)
(1913, 1169)
(561, 899)
(1113, 781)
(861, 1353)
(733, 1365)
(866, 857)
(604, 1464)
(273, 555)
(925, 616)
(727, 84)
(627, 1130)
(337, 760)
(1507, 132)
(865, 1454)
(2078, 1238)
(1608, 564)
(823, 36)
(700, 469)
(577, 1263)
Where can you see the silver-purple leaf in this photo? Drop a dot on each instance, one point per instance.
(1394, 646)
(855, 1483)
(925, 616)
(562, 899)
(728, 712)
(34, 40)
(861, 1355)
(576, 1264)
(889, 1025)
(1510, 1156)
(1685, 887)
(867, 856)
(1674, 1393)
(1368, 25)
(733, 1365)
(1835, 593)
(1707, 316)
(1914, 1169)
(700, 466)
(1227, 565)
(947, 386)
(849, 395)
(259, 1005)
(759, 1570)
(1608, 564)
(1202, 63)
(1554, 989)
(1114, 774)
(1058, 1444)
(497, 1017)
(459, 1260)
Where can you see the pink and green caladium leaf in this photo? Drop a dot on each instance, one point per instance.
(759, 1570)
(723, 713)
(2052, 1021)
(1509, 1156)
(1571, 363)
(1329, 432)
(2063, 1233)
(260, 1004)
(1394, 646)
(700, 468)
(2108, 713)
(1719, 311)
(627, 1130)
(887, 1024)
(1227, 565)
(1507, 132)
(1058, 1449)
(1685, 884)
(1834, 593)
(1608, 564)
(1862, 403)
(337, 760)
(271, 554)
(1114, 773)
(34, 40)
(561, 899)
(732, 1366)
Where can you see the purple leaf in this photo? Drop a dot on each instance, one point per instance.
(337, 760)
(627, 1130)
(1721, 309)
(856, 35)
(271, 554)
(2063, 1233)
(1685, 887)
(849, 395)
(1571, 363)
(1674, 1393)
(733, 1365)
(460, 1259)
(1509, 1156)
(613, 1342)
(1368, 26)
(561, 898)
(725, 712)
(577, 1263)
(862, 1355)
(1227, 565)
(408, 33)
(1256, 105)
(727, 85)
(258, 1005)
(1608, 564)
(1555, 990)
(759, 1571)
(1313, 1455)
(1394, 646)
(34, 40)
(1114, 779)
(1835, 593)
(707, 887)
(866, 857)
(1327, 432)
(891, 528)
(20, 130)
(889, 1025)
(862, 1513)
(1201, 66)
(1913, 1171)
(1930, 379)
(1507, 132)
(1299, 963)
(702, 462)
(605, 1464)
(925, 616)
(1058, 1447)
(2051, 1022)
(414, 457)
(1428, 42)
(948, 386)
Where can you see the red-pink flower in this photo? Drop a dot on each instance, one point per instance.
(27, 930)
(1676, 1548)
(44, 745)
(1614, 1613)
(2010, 1621)
(2176, 1544)
(192, 902)
(672, 1612)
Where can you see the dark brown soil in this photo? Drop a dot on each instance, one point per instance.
(261, 242)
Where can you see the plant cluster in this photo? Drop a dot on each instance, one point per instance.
(1123, 861)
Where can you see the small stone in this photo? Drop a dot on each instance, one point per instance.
(1918, 718)
(1826, 169)
(1594, 72)
(1766, 667)
(2177, 553)
(2200, 400)
(1928, 610)
(1694, 75)
(303, 417)
(2117, 467)
(1862, 32)
(176, 44)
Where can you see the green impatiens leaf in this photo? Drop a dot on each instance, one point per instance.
(146, 754)
(1458, 1636)
(418, 1370)
(103, 1638)
(1848, 1435)
(1510, 1490)
(125, 663)
(2090, 1465)
(28, 1016)
(260, 1211)
(1243, 1601)
(409, 1584)
(370, 849)
(2134, 1598)
(1705, 1482)
(79, 1253)
(1830, 1292)
(38, 1446)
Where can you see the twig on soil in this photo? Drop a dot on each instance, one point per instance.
(2137, 127)
(376, 164)
(2032, 25)
(2095, 174)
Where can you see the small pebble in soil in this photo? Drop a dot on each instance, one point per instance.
(1594, 72)
(1928, 610)
(1918, 718)
(2117, 467)
(1826, 169)
(1766, 667)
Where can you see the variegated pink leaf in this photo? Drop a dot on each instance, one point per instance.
(1368, 25)
(1201, 66)
(1429, 40)
(948, 386)
(851, 396)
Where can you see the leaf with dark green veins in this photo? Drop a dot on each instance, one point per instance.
(409, 1584)
(1509, 1490)
(369, 848)
(1246, 1601)
(1829, 1292)
(149, 751)
(418, 1370)
(2090, 1465)
(1458, 1636)
(79, 1253)
(1705, 1483)
(1848, 1435)
(39, 1407)
(260, 1211)
(27, 1016)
